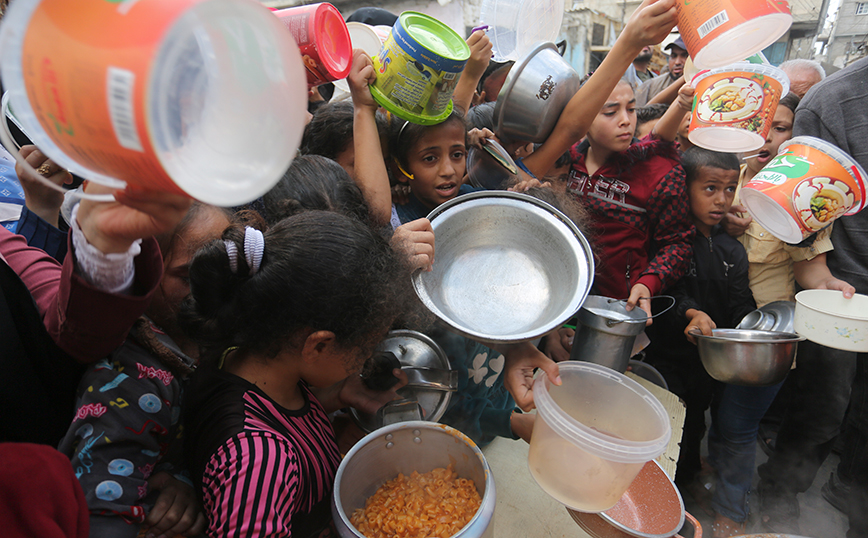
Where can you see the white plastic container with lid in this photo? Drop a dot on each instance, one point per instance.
(203, 97)
(515, 26)
(593, 435)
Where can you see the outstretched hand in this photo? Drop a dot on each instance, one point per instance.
(521, 361)
(416, 240)
(650, 23)
(112, 227)
(361, 75)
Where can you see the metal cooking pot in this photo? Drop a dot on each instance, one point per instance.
(404, 448)
(535, 92)
(606, 331)
(509, 267)
(746, 357)
(775, 316)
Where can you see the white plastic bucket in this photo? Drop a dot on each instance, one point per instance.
(593, 434)
(203, 97)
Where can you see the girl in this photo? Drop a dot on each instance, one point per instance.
(283, 319)
(771, 260)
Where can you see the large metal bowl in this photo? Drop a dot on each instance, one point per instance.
(508, 267)
(746, 357)
(404, 448)
(534, 94)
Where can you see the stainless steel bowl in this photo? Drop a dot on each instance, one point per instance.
(404, 448)
(508, 268)
(534, 94)
(774, 316)
(747, 357)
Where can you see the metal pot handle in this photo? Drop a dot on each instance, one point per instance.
(611, 322)
(697, 528)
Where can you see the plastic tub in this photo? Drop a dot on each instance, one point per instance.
(593, 435)
(827, 318)
(322, 36)
(205, 97)
(808, 185)
(516, 26)
(751, 90)
(720, 32)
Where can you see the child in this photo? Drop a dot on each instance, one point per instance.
(714, 293)
(284, 319)
(771, 260)
(647, 117)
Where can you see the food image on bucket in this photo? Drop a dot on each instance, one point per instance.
(734, 106)
(808, 185)
(322, 36)
(418, 68)
(203, 97)
(720, 32)
(593, 435)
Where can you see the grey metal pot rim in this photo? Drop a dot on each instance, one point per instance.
(730, 335)
(513, 76)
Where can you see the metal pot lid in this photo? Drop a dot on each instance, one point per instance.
(431, 379)
(491, 167)
(611, 309)
(777, 316)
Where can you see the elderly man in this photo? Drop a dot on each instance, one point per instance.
(677, 58)
(803, 74)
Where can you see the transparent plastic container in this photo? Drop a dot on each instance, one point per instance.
(515, 26)
(205, 97)
(593, 434)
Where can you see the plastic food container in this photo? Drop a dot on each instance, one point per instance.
(362, 36)
(203, 97)
(827, 318)
(516, 26)
(734, 107)
(418, 68)
(323, 38)
(593, 435)
(720, 32)
(808, 185)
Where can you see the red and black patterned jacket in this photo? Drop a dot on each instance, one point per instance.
(640, 215)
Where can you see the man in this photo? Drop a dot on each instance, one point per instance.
(677, 57)
(828, 380)
(638, 71)
(803, 74)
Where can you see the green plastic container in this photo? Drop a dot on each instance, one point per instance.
(418, 68)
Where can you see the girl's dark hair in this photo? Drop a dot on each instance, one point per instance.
(696, 157)
(167, 240)
(790, 101)
(330, 131)
(315, 182)
(320, 271)
(404, 134)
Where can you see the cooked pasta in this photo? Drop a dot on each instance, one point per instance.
(433, 504)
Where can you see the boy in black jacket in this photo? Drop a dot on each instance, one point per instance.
(714, 293)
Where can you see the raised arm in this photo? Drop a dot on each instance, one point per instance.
(480, 56)
(650, 23)
(667, 127)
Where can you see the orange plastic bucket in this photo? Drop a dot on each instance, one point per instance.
(720, 32)
(323, 38)
(202, 97)
(734, 107)
(808, 185)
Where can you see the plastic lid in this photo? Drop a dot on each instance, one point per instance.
(362, 36)
(515, 26)
(434, 36)
(592, 440)
(725, 139)
(333, 40)
(747, 67)
(771, 216)
(833, 151)
(744, 40)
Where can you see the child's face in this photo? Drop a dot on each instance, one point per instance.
(437, 163)
(711, 194)
(781, 131)
(612, 130)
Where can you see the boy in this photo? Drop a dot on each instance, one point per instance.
(714, 293)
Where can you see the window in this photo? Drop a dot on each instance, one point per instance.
(861, 8)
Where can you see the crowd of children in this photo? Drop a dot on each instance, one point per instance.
(190, 358)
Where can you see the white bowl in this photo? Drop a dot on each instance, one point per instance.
(827, 318)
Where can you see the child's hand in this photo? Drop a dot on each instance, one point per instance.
(685, 97)
(650, 23)
(526, 181)
(41, 199)
(477, 137)
(176, 510)
(559, 344)
(838, 284)
(480, 54)
(697, 319)
(522, 425)
(111, 227)
(361, 75)
(734, 223)
(416, 240)
(640, 295)
(521, 360)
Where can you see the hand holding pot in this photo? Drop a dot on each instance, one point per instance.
(697, 319)
(361, 75)
(640, 296)
(559, 344)
(416, 240)
(734, 223)
(521, 360)
(650, 23)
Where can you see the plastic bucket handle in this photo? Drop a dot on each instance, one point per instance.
(9, 144)
(611, 322)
